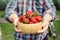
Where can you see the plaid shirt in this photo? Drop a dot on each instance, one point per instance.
(20, 6)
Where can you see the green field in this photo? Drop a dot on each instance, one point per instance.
(59, 1)
(7, 30)
(2, 14)
(58, 12)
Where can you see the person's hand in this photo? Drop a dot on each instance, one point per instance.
(45, 27)
(14, 19)
(15, 26)
(47, 19)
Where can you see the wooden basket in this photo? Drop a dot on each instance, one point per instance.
(30, 28)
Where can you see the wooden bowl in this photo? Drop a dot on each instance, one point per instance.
(30, 28)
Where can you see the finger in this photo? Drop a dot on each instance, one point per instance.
(43, 30)
(17, 30)
(40, 31)
(15, 23)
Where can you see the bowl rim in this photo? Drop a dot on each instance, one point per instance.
(30, 24)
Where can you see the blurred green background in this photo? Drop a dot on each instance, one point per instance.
(7, 28)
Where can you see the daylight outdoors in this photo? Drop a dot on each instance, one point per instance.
(6, 28)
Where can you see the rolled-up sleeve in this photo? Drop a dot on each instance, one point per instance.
(10, 9)
(50, 8)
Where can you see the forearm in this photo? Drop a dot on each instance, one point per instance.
(50, 9)
(13, 17)
(10, 10)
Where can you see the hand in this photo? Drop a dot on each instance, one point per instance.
(45, 27)
(47, 19)
(15, 26)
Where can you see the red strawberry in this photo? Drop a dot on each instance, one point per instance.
(21, 18)
(38, 18)
(32, 12)
(33, 20)
(26, 21)
(28, 13)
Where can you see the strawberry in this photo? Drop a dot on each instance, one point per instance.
(38, 18)
(33, 20)
(21, 18)
(26, 21)
(28, 13)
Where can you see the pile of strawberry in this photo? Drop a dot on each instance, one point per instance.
(30, 18)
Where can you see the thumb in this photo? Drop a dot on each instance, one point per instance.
(15, 22)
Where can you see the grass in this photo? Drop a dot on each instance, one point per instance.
(58, 12)
(7, 30)
(57, 27)
(2, 14)
(59, 1)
